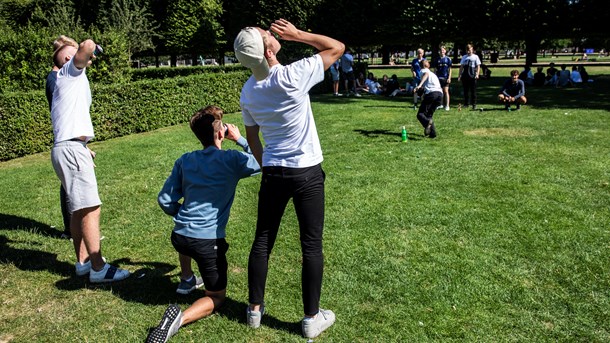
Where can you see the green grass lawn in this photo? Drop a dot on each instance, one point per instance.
(496, 231)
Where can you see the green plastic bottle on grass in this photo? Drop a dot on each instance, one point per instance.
(403, 135)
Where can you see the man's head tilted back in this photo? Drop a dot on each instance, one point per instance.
(250, 51)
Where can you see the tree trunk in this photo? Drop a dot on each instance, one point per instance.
(385, 55)
(173, 60)
(532, 45)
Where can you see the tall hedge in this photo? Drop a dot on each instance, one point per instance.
(117, 109)
(26, 57)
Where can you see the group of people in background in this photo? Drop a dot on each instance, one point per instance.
(561, 77)
(433, 88)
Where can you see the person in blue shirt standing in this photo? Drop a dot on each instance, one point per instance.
(443, 72)
(416, 67)
(206, 180)
(347, 70)
(334, 73)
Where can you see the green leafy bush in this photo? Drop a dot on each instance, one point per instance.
(117, 109)
(25, 57)
(162, 73)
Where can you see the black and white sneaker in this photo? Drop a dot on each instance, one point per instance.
(169, 325)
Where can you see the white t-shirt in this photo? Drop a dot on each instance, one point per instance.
(373, 86)
(432, 83)
(280, 106)
(70, 107)
(470, 63)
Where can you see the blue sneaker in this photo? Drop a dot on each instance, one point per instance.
(187, 286)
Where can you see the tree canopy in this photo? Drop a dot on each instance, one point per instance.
(208, 27)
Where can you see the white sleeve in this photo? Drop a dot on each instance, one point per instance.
(307, 72)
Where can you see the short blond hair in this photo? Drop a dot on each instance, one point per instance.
(64, 40)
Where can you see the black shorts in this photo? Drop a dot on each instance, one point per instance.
(210, 255)
(443, 82)
(349, 76)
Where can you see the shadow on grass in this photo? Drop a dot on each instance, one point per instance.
(330, 99)
(150, 284)
(590, 95)
(11, 222)
(236, 311)
(32, 260)
(396, 136)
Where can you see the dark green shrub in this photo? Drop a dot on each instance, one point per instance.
(117, 109)
(25, 58)
(165, 72)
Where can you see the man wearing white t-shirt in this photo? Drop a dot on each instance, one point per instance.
(73, 162)
(275, 102)
(433, 97)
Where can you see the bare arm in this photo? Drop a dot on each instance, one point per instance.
(423, 80)
(330, 49)
(84, 54)
(254, 142)
(449, 76)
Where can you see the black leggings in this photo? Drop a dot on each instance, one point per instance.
(470, 88)
(306, 188)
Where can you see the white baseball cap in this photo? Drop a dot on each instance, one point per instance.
(250, 51)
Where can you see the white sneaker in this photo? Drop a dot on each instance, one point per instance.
(83, 269)
(446, 108)
(108, 274)
(254, 317)
(313, 327)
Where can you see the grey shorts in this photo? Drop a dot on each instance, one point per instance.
(73, 165)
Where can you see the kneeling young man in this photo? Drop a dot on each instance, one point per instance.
(206, 180)
(513, 91)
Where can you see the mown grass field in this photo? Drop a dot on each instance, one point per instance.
(496, 231)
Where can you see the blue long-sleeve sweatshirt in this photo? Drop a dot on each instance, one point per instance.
(206, 180)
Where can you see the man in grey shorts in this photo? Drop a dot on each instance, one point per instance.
(73, 163)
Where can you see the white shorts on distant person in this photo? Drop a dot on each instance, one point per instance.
(74, 167)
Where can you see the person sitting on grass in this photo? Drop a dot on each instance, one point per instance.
(513, 91)
(564, 77)
(539, 78)
(373, 86)
(206, 180)
(575, 76)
